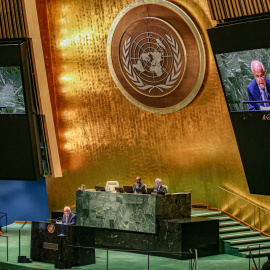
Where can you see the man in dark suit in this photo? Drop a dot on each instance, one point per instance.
(258, 89)
(266, 265)
(69, 218)
(159, 187)
(138, 186)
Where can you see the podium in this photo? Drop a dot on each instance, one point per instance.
(129, 212)
(62, 245)
(162, 224)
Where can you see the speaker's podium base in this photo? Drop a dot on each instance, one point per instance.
(62, 266)
(62, 251)
(24, 259)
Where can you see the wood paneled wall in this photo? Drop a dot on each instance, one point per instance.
(12, 22)
(223, 10)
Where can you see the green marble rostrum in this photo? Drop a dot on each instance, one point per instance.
(129, 212)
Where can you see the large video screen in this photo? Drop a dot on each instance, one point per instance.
(20, 157)
(242, 54)
(11, 90)
(244, 77)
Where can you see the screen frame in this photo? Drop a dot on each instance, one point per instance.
(23, 162)
(250, 127)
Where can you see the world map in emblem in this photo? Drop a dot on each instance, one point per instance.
(153, 62)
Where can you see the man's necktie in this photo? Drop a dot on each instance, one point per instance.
(265, 97)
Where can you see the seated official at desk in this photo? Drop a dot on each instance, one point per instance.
(69, 218)
(138, 185)
(159, 187)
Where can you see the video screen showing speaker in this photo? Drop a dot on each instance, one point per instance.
(20, 157)
(244, 77)
(11, 90)
(242, 54)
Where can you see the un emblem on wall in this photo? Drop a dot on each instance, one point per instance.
(156, 56)
(153, 61)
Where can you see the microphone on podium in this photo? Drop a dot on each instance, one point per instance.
(54, 220)
(99, 183)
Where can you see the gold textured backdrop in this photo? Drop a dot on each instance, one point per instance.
(102, 136)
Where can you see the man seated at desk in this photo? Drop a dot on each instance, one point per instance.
(159, 187)
(69, 218)
(138, 186)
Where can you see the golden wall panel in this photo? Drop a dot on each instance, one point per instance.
(104, 137)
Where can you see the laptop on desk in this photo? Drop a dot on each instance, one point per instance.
(161, 192)
(128, 189)
(119, 189)
(149, 190)
(140, 191)
(98, 188)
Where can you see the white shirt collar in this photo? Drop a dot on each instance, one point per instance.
(265, 89)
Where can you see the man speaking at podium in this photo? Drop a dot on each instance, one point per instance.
(258, 89)
(69, 218)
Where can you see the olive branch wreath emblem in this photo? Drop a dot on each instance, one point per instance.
(171, 79)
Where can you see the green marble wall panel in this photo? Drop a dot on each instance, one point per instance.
(129, 212)
(173, 206)
(116, 211)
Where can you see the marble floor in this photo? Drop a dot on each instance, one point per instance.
(116, 260)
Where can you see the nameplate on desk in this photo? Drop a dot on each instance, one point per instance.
(50, 246)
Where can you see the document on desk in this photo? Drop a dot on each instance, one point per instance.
(265, 108)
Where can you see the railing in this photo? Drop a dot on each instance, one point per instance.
(20, 237)
(252, 258)
(3, 215)
(244, 210)
(7, 243)
(192, 255)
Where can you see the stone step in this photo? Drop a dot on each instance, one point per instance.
(253, 246)
(256, 253)
(239, 235)
(234, 229)
(229, 223)
(248, 241)
(212, 213)
(221, 218)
